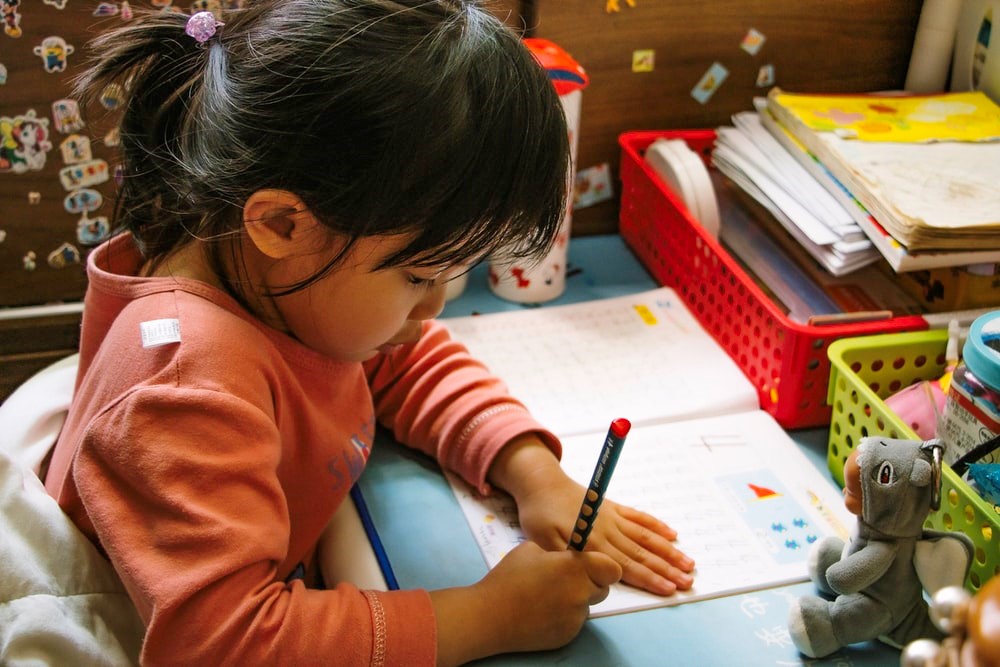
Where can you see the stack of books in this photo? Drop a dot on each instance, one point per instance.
(916, 174)
(754, 160)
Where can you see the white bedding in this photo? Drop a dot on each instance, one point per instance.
(61, 602)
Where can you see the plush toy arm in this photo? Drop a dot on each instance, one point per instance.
(942, 559)
(862, 568)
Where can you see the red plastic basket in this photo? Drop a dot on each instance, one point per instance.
(786, 360)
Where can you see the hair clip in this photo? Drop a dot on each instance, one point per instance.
(202, 26)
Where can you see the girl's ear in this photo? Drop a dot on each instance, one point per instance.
(281, 225)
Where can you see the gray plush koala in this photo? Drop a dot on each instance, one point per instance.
(879, 576)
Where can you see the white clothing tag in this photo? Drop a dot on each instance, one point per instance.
(160, 332)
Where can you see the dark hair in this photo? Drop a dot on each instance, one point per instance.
(427, 117)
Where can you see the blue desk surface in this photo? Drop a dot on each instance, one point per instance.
(430, 546)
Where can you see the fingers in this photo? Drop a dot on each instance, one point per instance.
(603, 571)
(653, 575)
(643, 546)
(647, 521)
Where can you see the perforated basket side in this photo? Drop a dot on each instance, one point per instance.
(865, 370)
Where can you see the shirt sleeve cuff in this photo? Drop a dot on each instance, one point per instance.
(404, 628)
(495, 433)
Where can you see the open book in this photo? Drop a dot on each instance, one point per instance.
(701, 455)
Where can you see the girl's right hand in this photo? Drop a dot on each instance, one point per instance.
(533, 600)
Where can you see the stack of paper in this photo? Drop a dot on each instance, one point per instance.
(920, 171)
(808, 292)
(753, 159)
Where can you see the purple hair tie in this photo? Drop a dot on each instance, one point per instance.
(202, 26)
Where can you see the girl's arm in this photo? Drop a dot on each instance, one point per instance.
(437, 398)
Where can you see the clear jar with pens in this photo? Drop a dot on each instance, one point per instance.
(971, 415)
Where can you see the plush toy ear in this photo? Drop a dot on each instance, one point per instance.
(921, 473)
(935, 448)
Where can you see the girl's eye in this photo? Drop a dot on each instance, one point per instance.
(417, 281)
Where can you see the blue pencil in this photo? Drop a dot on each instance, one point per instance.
(599, 481)
(380, 555)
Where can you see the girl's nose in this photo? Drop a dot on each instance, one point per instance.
(431, 305)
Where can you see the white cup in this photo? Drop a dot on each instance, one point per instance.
(454, 288)
(526, 281)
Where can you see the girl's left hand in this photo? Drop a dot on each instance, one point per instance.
(548, 502)
(640, 543)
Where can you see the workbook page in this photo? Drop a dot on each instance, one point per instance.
(746, 502)
(577, 367)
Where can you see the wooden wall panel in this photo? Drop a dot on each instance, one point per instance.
(814, 46)
(41, 228)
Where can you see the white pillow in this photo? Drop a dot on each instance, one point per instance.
(31, 417)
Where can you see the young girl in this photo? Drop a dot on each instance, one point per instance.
(300, 183)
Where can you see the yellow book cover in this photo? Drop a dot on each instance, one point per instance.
(969, 116)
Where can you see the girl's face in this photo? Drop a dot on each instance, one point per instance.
(356, 311)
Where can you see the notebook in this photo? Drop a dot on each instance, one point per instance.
(925, 167)
(701, 455)
(896, 254)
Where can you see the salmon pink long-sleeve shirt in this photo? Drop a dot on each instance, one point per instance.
(206, 464)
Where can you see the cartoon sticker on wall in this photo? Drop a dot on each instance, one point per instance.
(89, 231)
(24, 142)
(105, 9)
(709, 82)
(3, 74)
(66, 115)
(112, 96)
(753, 41)
(83, 200)
(765, 76)
(75, 149)
(11, 17)
(55, 53)
(643, 60)
(592, 186)
(213, 6)
(84, 174)
(113, 137)
(63, 256)
(611, 6)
